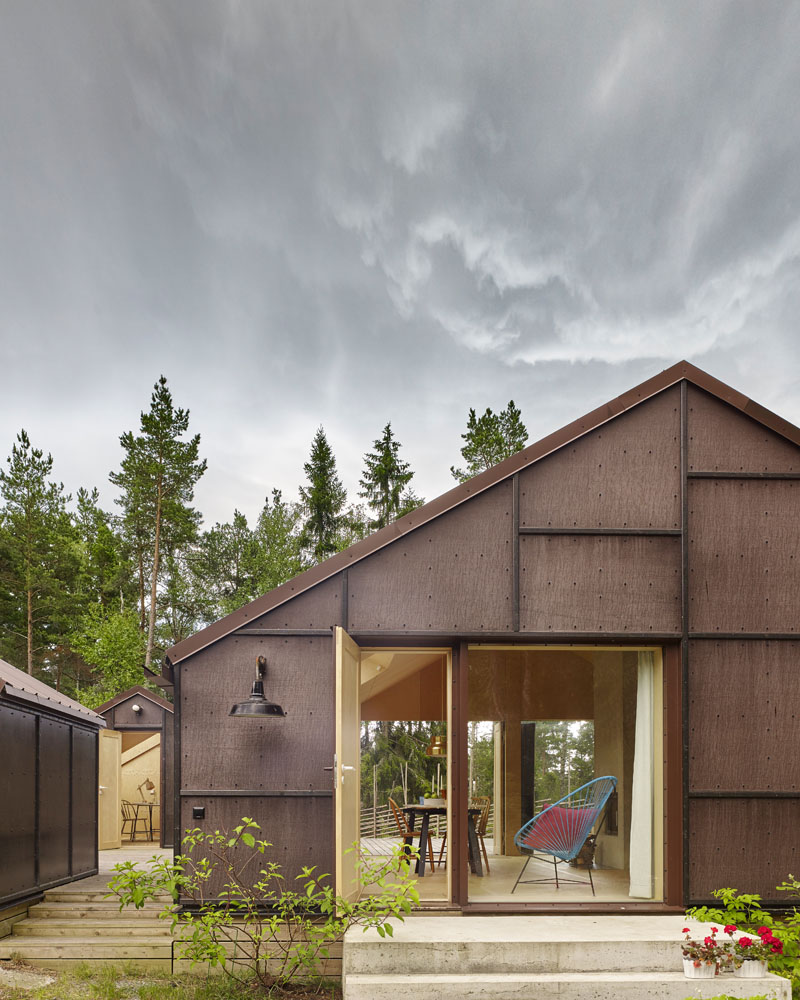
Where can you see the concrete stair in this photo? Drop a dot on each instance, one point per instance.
(534, 958)
(71, 926)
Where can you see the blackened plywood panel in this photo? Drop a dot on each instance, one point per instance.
(744, 563)
(319, 607)
(18, 798)
(723, 439)
(747, 843)
(300, 830)
(750, 687)
(218, 751)
(149, 716)
(599, 584)
(84, 801)
(626, 474)
(451, 574)
(168, 781)
(54, 800)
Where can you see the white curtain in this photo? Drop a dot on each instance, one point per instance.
(641, 853)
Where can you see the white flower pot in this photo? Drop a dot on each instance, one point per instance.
(751, 968)
(702, 971)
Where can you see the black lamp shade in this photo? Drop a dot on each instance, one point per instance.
(257, 706)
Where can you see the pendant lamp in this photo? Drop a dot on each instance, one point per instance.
(257, 706)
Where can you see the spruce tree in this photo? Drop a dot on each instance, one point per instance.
(490, 438)
(37, 556)
(385, 478)
(157, 478)
(323, 500)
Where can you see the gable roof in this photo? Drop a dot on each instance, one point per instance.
(137, 691)
(681, 371)
(22, 687)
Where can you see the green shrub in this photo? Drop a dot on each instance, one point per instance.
(276, 931)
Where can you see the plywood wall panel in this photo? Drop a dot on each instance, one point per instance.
(17, 786)
(750, 687)
(301, 830)
(599, 584)
(625, 474)
(747, 843)
(451, 574)
(218, 751)
(168, 781)
(84, 801)
(54, 742)
(319, 607)
(744, 564)
(148, 718)
(723, 439)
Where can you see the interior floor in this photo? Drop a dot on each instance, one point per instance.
(494, 886)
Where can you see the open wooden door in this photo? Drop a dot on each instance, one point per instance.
(109, 811)
(347, 763)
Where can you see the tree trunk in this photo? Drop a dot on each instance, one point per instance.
(30, 632)
(142, 616)
(153, 582)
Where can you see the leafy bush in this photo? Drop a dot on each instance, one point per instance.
(746, 911)
(258, 924)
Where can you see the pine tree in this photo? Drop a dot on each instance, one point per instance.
(385, 478)
(323, 499)
(157, 478)
(37, 555)
(490, 438)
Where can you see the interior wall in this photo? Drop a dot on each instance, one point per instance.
(139, 763)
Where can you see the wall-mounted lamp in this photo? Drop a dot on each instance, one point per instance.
(136, 708)
(257, 706)
(148, 784)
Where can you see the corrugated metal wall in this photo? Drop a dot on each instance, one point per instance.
(48, 784)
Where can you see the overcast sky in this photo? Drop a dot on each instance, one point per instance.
(348, 213)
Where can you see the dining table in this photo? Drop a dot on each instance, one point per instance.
(149, 806)
(412, 810)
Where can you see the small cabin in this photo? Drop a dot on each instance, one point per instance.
(628, 585)
(146, 765)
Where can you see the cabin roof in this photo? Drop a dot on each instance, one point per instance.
(19, 686)
(137, 691)
(681, 371)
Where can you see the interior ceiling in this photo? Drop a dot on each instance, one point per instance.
(384, 668)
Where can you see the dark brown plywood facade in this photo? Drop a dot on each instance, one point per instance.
(626, 474)
(722, 439)
(763, 704)
(452, 576)
(744, 573)
(640, 524)
(599, 583)
(750, 844)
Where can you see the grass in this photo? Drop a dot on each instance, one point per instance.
(126, 982)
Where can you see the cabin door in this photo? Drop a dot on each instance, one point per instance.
(347, 763)
(109, 806)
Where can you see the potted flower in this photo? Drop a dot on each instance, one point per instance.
(703, 956)
(750, 953)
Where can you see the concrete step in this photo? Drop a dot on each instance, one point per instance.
(512, 945)
(89, 927)
(561, 986)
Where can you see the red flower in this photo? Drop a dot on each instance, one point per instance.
(685, 930)
(713, 930)
(777, 947)
(764, 930)
(709, 941)
(745, 942)
(730, 928)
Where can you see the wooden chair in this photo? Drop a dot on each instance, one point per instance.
(407, 833)
(130, 814)
(484, 803)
